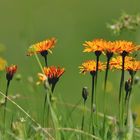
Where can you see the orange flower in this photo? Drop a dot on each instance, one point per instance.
(109, 47)
(117, 62)
(42, 47)
(90, 66)
(132, 66)
(97, 45)
(125, 47)
(53, 72)
(10, 71)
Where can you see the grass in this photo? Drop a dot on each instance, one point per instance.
(25, 100)
(59, 120)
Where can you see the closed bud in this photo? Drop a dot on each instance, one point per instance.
(85, 93)
(128, 85)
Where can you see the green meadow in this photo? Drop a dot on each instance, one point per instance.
(23, 23)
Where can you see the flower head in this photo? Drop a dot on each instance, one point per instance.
(2, 64)
(125, 47)
(10, 71)
(109, 48)
(53, 74)
(42, 47)
(132, 66)
(117, 62)
(97, 45)
(90, 66)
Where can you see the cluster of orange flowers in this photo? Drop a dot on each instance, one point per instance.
(123, 48)
(110, 47)
(52, 73)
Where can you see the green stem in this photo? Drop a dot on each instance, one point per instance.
(83, 120)
(5, 104)
(97, 65)
(39, 63)
(129, 98)
(44, 107)
(104, 98)
(46, 62)
(92, 102)
(121, 97)
(92, 93)
(83, 117)
(54, 117)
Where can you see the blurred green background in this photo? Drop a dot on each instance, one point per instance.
(24, 22)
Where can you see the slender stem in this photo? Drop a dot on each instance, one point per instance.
(44, 109)
(121, 105)
(128, 99)
(97, 64)
(39, 63)
(104, 98)
(92, 94)
(92, 102)
(53, 116)
(6, 94)
(96, 77)
(106, 72)
(46, 62)
(83, 117)
(53, 87)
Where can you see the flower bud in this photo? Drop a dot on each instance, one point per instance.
(85, 93)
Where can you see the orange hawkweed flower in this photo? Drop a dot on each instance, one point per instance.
(10, 71)
(42, 47)
(90, 66)
(132, 66)
(125, 47)
(117, 62)
(97, 45)
(53, 74)
(109, 48)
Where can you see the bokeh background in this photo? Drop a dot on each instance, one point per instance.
(24, 22)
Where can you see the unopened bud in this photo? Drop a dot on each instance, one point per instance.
(128, 85)
(85, 93)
